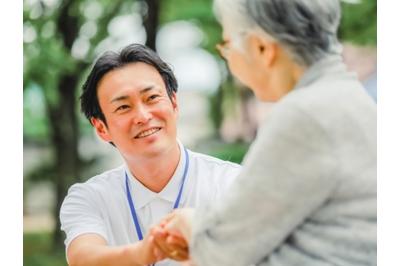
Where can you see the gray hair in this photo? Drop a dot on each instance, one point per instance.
(307, 28)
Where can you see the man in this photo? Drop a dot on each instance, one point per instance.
(130, 99)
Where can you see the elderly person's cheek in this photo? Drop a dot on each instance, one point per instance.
(241, 67)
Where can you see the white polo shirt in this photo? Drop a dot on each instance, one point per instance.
(100, 205)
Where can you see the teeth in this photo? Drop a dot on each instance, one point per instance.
(147, 132)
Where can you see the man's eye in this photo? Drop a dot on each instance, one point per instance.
(122, 107)
(152, 97)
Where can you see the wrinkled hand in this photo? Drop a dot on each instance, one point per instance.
(172, 246)
(172, 235)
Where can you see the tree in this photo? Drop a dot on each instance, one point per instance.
(49, 65)
(151, 22)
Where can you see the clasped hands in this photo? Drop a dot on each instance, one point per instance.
(171, 237)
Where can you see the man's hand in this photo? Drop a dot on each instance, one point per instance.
(149, 251)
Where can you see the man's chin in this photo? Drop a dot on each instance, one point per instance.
(156, 147)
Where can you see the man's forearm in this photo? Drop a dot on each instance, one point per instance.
(96, 255)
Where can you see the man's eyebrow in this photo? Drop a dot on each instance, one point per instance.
(125, 97)
(146, 89)
(120, 98)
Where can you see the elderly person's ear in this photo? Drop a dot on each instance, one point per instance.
(263, 50)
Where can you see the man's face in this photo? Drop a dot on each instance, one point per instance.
(141, 118)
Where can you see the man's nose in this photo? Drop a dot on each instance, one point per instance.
(142, 115)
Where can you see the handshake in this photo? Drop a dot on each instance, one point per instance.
(170, 238)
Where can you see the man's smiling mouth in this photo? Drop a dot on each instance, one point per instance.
(148, 132)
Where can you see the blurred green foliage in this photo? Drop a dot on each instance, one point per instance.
(231, 152)
(49, 35)
(38, 251)
(200, 13)
(358, 24)
(223, 102)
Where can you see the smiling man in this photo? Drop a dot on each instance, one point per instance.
(130, 99)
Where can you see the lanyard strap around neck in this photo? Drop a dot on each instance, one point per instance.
(176, 204)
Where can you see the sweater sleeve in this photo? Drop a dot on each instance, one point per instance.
(286, 176)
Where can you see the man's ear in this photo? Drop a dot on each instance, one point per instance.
(174, 101)
(101, 129)
(263, 50)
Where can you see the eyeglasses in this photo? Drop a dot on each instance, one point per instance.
(223, 48)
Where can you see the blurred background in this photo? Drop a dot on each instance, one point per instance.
(218, 116)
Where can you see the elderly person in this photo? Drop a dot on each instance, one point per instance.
(307, 192)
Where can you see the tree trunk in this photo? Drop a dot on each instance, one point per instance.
(63, 121)
(151, 21)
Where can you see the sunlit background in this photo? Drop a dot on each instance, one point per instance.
(218, 116)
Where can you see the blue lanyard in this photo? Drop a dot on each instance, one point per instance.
(176, 205)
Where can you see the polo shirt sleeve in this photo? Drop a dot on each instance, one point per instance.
(80, 213)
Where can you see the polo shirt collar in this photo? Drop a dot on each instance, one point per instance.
(142, 196)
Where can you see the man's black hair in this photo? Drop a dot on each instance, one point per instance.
(111, 60)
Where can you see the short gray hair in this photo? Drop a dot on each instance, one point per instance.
(307, 28)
